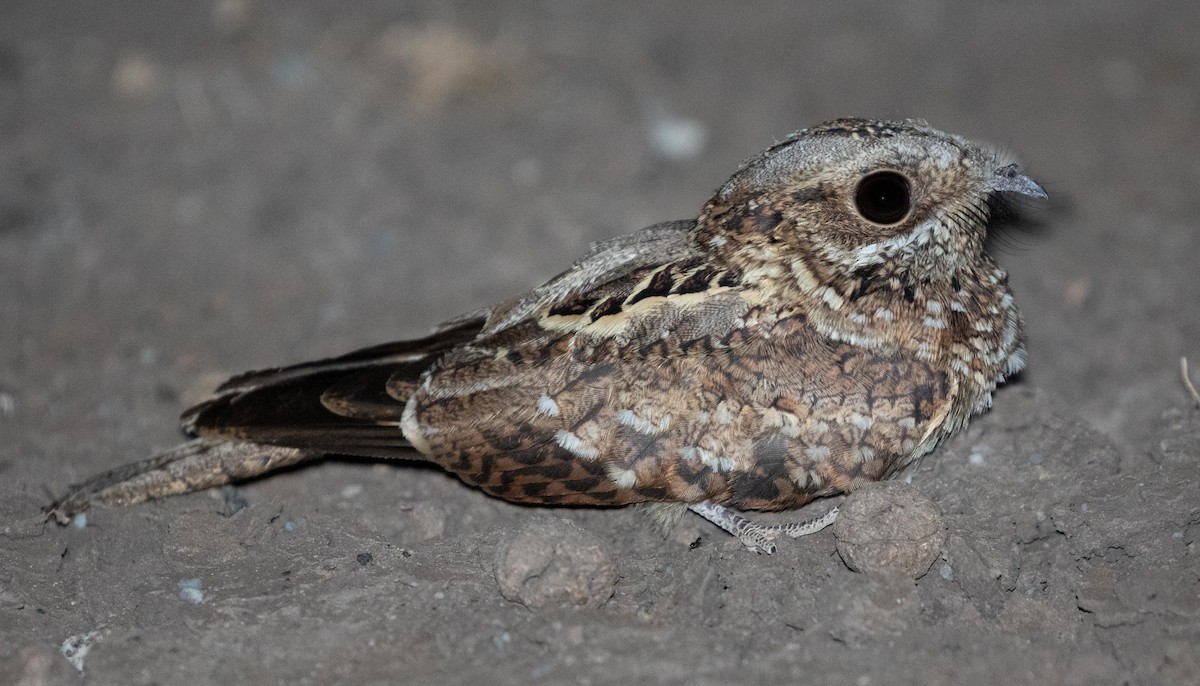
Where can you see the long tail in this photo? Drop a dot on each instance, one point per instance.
(193, 466)
(261, 421)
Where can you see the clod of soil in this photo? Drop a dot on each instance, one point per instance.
(554, 562)
(889, 526)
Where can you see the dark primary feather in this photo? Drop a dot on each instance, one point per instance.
(338, 405)
(291, 413)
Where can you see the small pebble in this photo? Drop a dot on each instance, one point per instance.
(76, 648)
(189, 591)
(364, 559)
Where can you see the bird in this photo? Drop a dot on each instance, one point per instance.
(827, 319)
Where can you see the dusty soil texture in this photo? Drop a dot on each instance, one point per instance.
(190, 189)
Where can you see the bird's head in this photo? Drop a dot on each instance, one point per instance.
(897, 199)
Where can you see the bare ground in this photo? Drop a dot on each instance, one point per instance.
(191, 189)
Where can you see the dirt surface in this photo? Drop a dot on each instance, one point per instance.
(190, 189)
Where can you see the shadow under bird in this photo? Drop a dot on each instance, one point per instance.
(828, 317)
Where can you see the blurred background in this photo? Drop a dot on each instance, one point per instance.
(190, 189)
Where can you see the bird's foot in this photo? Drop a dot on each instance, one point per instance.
(759, 538)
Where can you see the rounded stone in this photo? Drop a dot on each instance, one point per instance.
(889, 526)
(553, 562)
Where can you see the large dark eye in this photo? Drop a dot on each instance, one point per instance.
(883, 197)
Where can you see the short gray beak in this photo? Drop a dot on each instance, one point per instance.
(1010, 179)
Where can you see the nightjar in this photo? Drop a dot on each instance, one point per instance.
(828, 317)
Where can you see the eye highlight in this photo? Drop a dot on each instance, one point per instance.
(883, 197)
